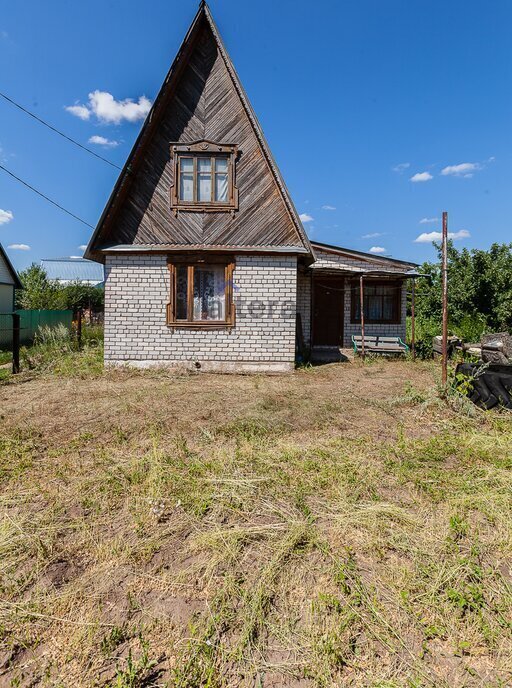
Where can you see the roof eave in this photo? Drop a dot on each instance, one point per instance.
(180, 248)
(16, 280)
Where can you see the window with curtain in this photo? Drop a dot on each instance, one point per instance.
(204, 177)
(381, 302)
(201, 293)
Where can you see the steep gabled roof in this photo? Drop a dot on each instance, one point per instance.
(4, 258)
(201, 98)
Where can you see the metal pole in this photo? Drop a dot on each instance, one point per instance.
(79, 328)
(361, 297)
(15, 343)
(445, 299)
(413, 320)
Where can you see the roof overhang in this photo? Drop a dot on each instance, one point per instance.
(180, 248)
(16, 280)
(341, 271)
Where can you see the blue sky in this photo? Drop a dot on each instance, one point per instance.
(355, 97)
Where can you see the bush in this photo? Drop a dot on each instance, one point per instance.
(470, 328)
(425, 330)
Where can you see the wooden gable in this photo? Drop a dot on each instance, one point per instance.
(201, 100)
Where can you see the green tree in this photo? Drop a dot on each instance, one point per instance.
(77, 295)
(41, 293)
(479, 292)
(38, 291)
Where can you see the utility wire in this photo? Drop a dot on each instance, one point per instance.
(60, 133)
(45, 197)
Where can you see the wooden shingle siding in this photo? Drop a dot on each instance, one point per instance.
(205, 105)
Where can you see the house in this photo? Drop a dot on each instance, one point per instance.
(9, 281)
(207, 263)
(73, 271)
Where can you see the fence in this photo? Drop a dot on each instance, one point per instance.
(30, 321)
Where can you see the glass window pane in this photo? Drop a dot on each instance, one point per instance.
(187, 164)
(204, 187)
(181, 292)
(374, 308)
(204, 164)
(221, 187)
(186, 187)
(388, 308)
(221, 165)
(209, 293)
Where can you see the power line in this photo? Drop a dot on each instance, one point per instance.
(60, 133)
(45, 197)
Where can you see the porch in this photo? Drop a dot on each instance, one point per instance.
(329, 301)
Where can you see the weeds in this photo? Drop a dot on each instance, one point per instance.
(134, 673)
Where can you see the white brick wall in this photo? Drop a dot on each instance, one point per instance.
(304, 303)
(136, 295)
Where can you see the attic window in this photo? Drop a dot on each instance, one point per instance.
(204, 177)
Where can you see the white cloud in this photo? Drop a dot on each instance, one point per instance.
(428, 220)
(377, 249)
(19, 247)
(304, 217)
(79, 111)
(421, 177)
(373, 235)
(328, 207)
(108, 110)
(464, 169)
(102, 141)
(76, 257)
(6, 216)
(401, 167)
(82, 247)
(428, 237)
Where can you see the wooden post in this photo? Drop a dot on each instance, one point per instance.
(444, 269)
(15, 343)
(413, 320)
(361, 300)
(79, 328)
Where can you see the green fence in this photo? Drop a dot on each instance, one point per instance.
(30, 321)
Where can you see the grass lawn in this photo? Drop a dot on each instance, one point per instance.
(341, 526)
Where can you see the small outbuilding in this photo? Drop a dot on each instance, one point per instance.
(9, 281)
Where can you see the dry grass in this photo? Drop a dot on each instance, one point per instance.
(338, 527)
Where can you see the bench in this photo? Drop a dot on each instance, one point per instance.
(379, 345)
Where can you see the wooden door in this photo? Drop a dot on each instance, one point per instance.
(328, 311)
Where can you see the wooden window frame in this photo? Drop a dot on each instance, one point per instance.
(355, 302)
(204, 149)
(193, 261)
